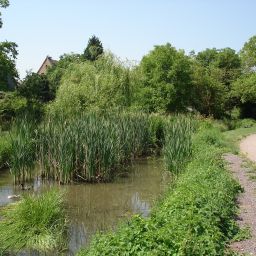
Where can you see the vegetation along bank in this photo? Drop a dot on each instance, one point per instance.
(196, 216)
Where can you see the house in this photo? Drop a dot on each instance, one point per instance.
(48, 62)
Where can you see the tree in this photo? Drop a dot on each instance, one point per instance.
(214, 71)
(99, 85)
(54, 74)
(248, 55)
(165, 80)
(8, 72)
(35, 87)
(94, 49)
(244, 90)
(3, 4)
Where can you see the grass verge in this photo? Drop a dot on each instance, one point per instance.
(233, 137)
(196, 216)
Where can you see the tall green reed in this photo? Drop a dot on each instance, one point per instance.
(91, 146)
(178, 142)
(23, 149)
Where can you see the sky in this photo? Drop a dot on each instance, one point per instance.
(128, 28)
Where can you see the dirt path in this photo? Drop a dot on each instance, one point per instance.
(247, 200)
(248, 147)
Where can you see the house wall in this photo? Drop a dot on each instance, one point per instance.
(44, 67)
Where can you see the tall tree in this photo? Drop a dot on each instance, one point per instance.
(248, 55)
(35, 88)
(3, 4)
(8, 72)
(213, 73)
(165, 80)
(94, 49)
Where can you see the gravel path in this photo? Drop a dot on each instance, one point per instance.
(247, 200)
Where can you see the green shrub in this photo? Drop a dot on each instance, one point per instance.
(11, 105)
(37, 222)
(245, 123)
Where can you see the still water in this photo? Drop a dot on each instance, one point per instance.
(99, 207)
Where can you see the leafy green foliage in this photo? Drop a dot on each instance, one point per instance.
(195, 217)
(94, 49)
(102, 84)
(213, 73)
(165, 80)
(3, 4)
(37, 222)
(248, 55)
(8, 72)
(11, 106)
(35, 87)
(54, 74)
(244, 90)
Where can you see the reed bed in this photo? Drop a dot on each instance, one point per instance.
(178, 142)
(23, 149)
(94, 146)
(87, 147)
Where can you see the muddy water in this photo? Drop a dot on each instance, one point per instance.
(99, 207)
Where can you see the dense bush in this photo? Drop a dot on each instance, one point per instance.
(195, 218)
(11, 106)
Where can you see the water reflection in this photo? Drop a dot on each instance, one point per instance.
(99, 207)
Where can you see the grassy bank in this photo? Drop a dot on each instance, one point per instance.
(34, 223)
(196, 216)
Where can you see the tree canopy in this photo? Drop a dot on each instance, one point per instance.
(35, 87)
(8, 72)
(3, 4)
(94, 49)
(248, 55)
(165, 80)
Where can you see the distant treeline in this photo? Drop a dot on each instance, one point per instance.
(214, 82)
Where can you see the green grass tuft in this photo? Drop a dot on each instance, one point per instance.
(37, 222)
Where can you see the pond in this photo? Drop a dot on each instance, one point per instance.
(99, 207)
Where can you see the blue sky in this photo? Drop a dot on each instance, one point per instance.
(128, 28)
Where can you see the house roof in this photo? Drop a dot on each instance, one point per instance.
(50, 59)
